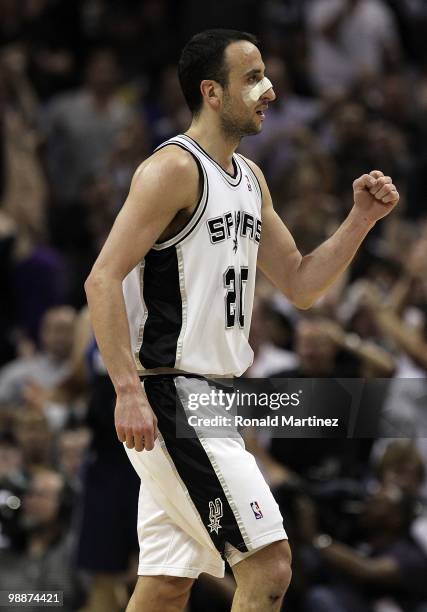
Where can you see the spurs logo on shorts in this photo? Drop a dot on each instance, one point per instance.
(215, 513)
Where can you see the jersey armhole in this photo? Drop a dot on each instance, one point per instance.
(197, 213)
(254, 177)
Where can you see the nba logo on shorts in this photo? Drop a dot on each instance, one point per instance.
(256, 510)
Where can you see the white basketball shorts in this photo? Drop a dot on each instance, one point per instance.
(203, 499)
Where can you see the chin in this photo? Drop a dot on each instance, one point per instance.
(253, 129)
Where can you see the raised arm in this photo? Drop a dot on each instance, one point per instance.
(405, 337)
(163, 185)
(303, 279)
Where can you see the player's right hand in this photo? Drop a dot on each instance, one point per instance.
(136, 423)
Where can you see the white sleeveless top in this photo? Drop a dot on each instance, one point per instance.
(189, 302)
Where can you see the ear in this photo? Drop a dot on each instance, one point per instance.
(211, 92)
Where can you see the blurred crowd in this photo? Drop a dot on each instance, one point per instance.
(87, 90)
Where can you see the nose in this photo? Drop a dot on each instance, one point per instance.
(269, 95)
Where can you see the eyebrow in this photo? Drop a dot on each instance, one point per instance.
(253, 72)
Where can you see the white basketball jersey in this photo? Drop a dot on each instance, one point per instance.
(189, 302)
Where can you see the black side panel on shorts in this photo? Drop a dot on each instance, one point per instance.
(191, 461)
(162, 298)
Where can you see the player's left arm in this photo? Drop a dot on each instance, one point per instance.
(303, 279)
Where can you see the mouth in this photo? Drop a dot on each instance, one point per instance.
(261, 112)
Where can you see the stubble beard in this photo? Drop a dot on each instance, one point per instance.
(235, 128)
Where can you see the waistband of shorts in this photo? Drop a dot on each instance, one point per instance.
(175, 372)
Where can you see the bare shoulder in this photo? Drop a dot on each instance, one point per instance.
(168, 179)
(171, 169)
(163, 185)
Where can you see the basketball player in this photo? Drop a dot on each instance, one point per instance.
(170, 298)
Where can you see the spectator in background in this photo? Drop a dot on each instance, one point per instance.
(10, 458)
(71, 447)
(318, 343)
(400, 463)
(323, 350)
(350, 40)
(345, 138)
(33, 274)
(283, 34)
(7, 316)
(12, 483)
(412, 16)
(403, 325)
(40, 559)
(31, 430)
(49, 365)
(11, 26)
(82, 126)
(311, 210)
(80, 230)
(167, 112)
(54, 42)
(268, 357)
(385, 566)
(417, 181)
(158, 41)
(133, 145)
(404, 413)
(402, 466)
(92, 458)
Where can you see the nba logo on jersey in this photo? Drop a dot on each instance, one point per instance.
(256, 510)
(248, 183)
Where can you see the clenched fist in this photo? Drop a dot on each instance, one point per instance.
(375, 196)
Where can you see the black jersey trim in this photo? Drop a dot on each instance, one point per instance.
(191, 461)
(254, 176)
(233, 181)
(200, 208)
(162, 298)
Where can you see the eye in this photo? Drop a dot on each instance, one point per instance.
(252, 79)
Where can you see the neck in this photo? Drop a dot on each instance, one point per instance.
(212, 138)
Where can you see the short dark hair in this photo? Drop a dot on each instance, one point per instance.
(203, 58)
